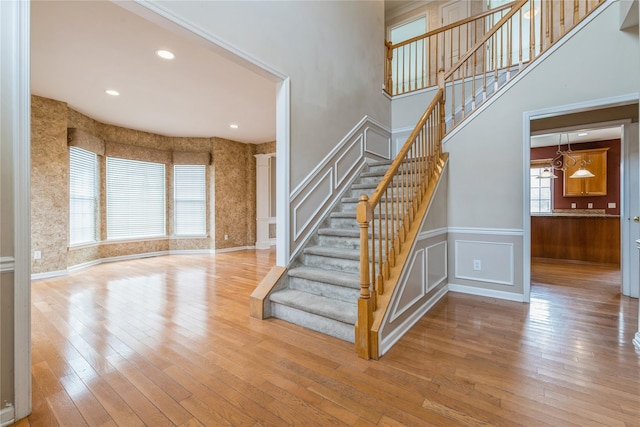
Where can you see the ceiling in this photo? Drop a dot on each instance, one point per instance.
(81, 48)
(577, 136)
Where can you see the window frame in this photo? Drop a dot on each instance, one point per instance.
(178, 200)
(540, 164)
(141, 213)
(94, 199)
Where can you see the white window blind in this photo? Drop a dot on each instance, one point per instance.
(135, 199)
(189, 200)
(83, 195)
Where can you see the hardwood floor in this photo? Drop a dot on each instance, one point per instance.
(168, 341)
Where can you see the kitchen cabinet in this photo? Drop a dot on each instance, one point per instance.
(595, 161)
(587, 238)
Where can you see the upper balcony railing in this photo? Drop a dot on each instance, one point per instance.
(414, 64)
(525, 32)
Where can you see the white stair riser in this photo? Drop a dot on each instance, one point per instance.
(341, 241)
(325, 289)
(370, 180)
(344, 223)
(330, 263)
(315, 322)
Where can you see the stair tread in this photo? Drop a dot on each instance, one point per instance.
(339, 232)
(331, 277)
(342, 253)
(327, 307)
(369, 174)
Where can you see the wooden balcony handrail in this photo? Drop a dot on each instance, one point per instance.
(497, 27)
(517, 39)
(454, 25)
(414, 64)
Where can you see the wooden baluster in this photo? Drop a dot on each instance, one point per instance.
(576, 10)
(381, 242)
(365, 302)
(532, 35)
(389, 68)
(520, 47)
(541, 35)
(550, 22)
(561, 19)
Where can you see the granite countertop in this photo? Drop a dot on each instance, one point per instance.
(576, 215)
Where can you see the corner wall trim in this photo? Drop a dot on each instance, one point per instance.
(7, 264)
(6, 416)
(432, 233)
(490, 293)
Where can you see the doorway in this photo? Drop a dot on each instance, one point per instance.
(612, 128)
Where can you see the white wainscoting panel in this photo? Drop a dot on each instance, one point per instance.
(348, 161)
(319, 192)
(436, 264)
(497, 263)
(413, 286)
(377, 142)
(318, 195)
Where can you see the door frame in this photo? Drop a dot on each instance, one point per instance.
(560, 110)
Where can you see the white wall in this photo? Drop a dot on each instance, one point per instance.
(332, 51)
(486, 155)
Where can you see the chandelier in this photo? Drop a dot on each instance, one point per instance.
(563, 161)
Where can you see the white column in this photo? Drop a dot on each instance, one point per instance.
(262, 200)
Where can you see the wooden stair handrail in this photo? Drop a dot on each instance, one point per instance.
(397, 162)
(409, 177)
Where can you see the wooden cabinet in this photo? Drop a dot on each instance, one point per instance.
(595, 161)
(578, 238)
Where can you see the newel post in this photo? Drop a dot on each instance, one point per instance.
(365, 303)
(388, 71)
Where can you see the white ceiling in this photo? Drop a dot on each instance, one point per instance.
(576, 136)
(81, 48)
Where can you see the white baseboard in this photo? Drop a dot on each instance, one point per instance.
(472, 290)
(77, 267)
(49, 274)
(636, 340)
(238, 248)
(191, 252)
(399, 332)
(6, 416)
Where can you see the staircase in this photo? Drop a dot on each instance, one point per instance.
(324, 283)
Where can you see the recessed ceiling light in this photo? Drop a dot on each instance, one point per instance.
(583, 134)
(165, 54)
(112, 92)
(233, 126)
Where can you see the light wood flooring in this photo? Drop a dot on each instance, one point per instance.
(168, 341)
